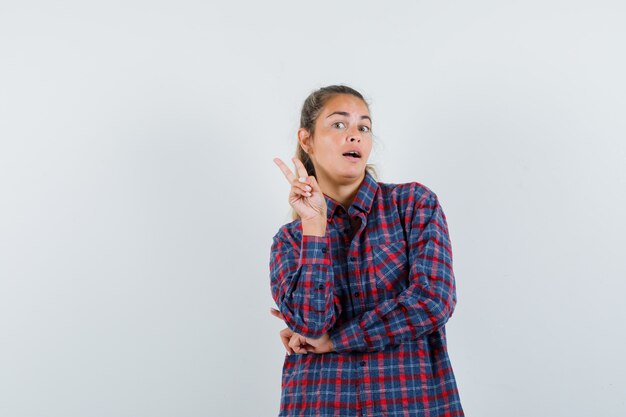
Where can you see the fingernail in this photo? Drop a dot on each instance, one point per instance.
(302, 179)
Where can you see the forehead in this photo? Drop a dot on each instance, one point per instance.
(347, 103)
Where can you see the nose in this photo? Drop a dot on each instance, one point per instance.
(354, 135)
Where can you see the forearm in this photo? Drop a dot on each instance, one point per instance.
(303, 285)
(407, 317)
(428, 301)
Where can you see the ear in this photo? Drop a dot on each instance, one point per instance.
(305, 139)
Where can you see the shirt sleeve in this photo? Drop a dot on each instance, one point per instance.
(302, 283)
(425, 305)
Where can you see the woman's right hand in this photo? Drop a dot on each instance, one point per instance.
(305, 196)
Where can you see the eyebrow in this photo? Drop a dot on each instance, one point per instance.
(345, 113)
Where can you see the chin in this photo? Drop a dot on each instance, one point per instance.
(354, 172)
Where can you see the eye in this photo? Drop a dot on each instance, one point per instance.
(366, 128)
(337, 123)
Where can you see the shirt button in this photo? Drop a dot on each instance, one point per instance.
(320, 287)
(362, 363)
(324, 249)
(352, 258)
(356, 294)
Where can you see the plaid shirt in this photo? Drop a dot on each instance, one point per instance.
(382, 287)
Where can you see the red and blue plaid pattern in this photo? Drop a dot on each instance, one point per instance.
(382, 287)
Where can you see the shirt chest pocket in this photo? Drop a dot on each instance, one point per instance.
(391, 268)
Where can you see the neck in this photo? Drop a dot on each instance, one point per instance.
(342, 190)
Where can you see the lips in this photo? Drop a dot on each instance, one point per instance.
(352, 154)
(352, 159)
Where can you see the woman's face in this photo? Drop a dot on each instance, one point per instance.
(343, 125)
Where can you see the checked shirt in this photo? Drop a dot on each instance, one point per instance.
(381, 284)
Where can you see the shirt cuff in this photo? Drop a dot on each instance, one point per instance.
(349, 337)
(315, 250)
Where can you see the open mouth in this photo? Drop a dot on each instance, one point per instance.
(352, 155)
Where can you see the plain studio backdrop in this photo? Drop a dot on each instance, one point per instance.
(139, 197)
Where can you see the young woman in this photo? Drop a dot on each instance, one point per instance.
(362, 278)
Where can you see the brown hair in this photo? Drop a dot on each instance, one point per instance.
(311, 110)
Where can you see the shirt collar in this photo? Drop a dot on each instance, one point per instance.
(363, 200)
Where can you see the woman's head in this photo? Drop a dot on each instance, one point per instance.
(335, 119)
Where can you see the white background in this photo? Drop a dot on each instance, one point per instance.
(138, 196)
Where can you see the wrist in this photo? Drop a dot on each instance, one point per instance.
(314, 227)
(331, 345)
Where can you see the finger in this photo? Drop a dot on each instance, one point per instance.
(302, 186)
(285, 336)
(300, 349)
(293, 342)
(296, 190)
(286, 332)
(300, 169)
(276, 313)
(291, 177)
(296, 342)
(314, 184)
(285, 341)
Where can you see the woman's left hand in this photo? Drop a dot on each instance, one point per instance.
(297, 343)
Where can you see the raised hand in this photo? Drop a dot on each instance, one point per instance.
(305, 196)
